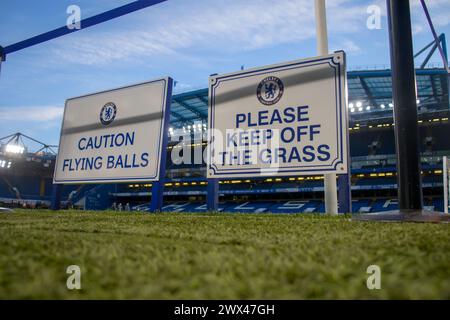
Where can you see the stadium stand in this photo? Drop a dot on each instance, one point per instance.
(28, 178)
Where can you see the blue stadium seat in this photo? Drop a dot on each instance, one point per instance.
(295, 206)
(438, 204)
(5, 190)
(385, 205)
(361, 206)
(248, 206)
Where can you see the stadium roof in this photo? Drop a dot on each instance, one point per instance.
(370, 95)
(366, 89)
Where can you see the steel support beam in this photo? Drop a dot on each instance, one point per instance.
(405, 108)
(437, 39)
(178, 116)
(405, 119)
(428, 57)
(56, 197)
(85, 23)
(191, 109)
(367, 91)
(202, 99)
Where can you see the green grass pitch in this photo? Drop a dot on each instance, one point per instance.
(219, 256)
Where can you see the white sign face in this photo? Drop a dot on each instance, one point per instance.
(115, 135)
(281, 120)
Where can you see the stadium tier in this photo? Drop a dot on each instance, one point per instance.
(26, 178)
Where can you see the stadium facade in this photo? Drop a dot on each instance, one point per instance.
(26, 178)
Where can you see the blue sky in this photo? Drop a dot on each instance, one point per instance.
(188, 40)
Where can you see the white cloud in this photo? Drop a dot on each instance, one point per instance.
(195, 29)
(232, 26)
(348, 46)
(417, 28)
(31, 114)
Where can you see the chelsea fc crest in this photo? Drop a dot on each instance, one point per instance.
(270, 90)
(108, 113)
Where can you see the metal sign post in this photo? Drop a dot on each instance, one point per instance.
(212, 189)
(56, 197)
(344, 194)
(212, 198)
(158, 186)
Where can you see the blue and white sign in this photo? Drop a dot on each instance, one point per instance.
(116, 135)
(280, 120)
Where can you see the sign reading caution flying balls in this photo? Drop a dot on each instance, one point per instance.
(280, 120)
(117, 135)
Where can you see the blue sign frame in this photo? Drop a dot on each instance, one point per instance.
(157, 186)
(343, 116)
(165, 110)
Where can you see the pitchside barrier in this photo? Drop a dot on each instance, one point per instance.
(280, 120)
(116, 136)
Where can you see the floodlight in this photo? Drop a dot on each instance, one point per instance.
(360, 109)
(368, 108)
(5, 164)
(359, 104)
(14, 148)
(383, 106)
(390, 105)
(350, 105)
(352, 110)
